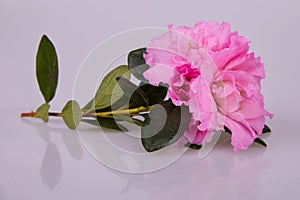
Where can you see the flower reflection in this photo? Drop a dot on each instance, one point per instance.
(222, 175)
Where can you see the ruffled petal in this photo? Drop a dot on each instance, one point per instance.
(242, 134)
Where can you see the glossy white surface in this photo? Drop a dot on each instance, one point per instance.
(47, 161)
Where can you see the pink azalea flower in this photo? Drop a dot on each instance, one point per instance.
(209, 69)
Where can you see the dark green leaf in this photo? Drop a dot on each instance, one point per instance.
(109, 91)
(133, 92)
(266, 129)
(127, 118)
(72, 114)
(110, 123)
(106, 123)
(193, 146)
(91, 121)
(260, 141)
(47, 68)
(155, 94)
(164, 126)
(227, 130)
(122, 102)
(137, 64)
(42, 112)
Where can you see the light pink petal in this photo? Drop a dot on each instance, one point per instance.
(247, 84)
(224, 85)
(238, 46)
(257, 124)
(252, 109)
(231, 103)
(193, 134)
(159, 74)
(203, 106)
(242, 134)
(205, 65)
(200, 91)
(249, 64)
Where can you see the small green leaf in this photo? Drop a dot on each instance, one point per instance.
(72, 114)
(133, 92)
(260, 141)
(106, 123)
(128, 118)
(118, 104)
(193, 146)
(47, 68)
(266, 129)
(155, 94)
(137, 64)
(91, 121)
(109, 91)
(42, 112)
(164, 126)
(110, 123)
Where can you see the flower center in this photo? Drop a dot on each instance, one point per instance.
(187, 72)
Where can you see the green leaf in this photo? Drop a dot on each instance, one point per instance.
(137, 64)
(133, 92)
(128, 118)
(118, 104)
(266, 129)
(72, 114)
(164, 126)
(193, 146)
(47, 68)
(109, 91)
(42, 112)
(260, 141)
(227, 130)
(109, 123)
(91, 121)
(155, 94)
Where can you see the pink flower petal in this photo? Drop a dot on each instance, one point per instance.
(242, 134)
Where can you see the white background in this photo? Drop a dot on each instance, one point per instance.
(39, 161)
